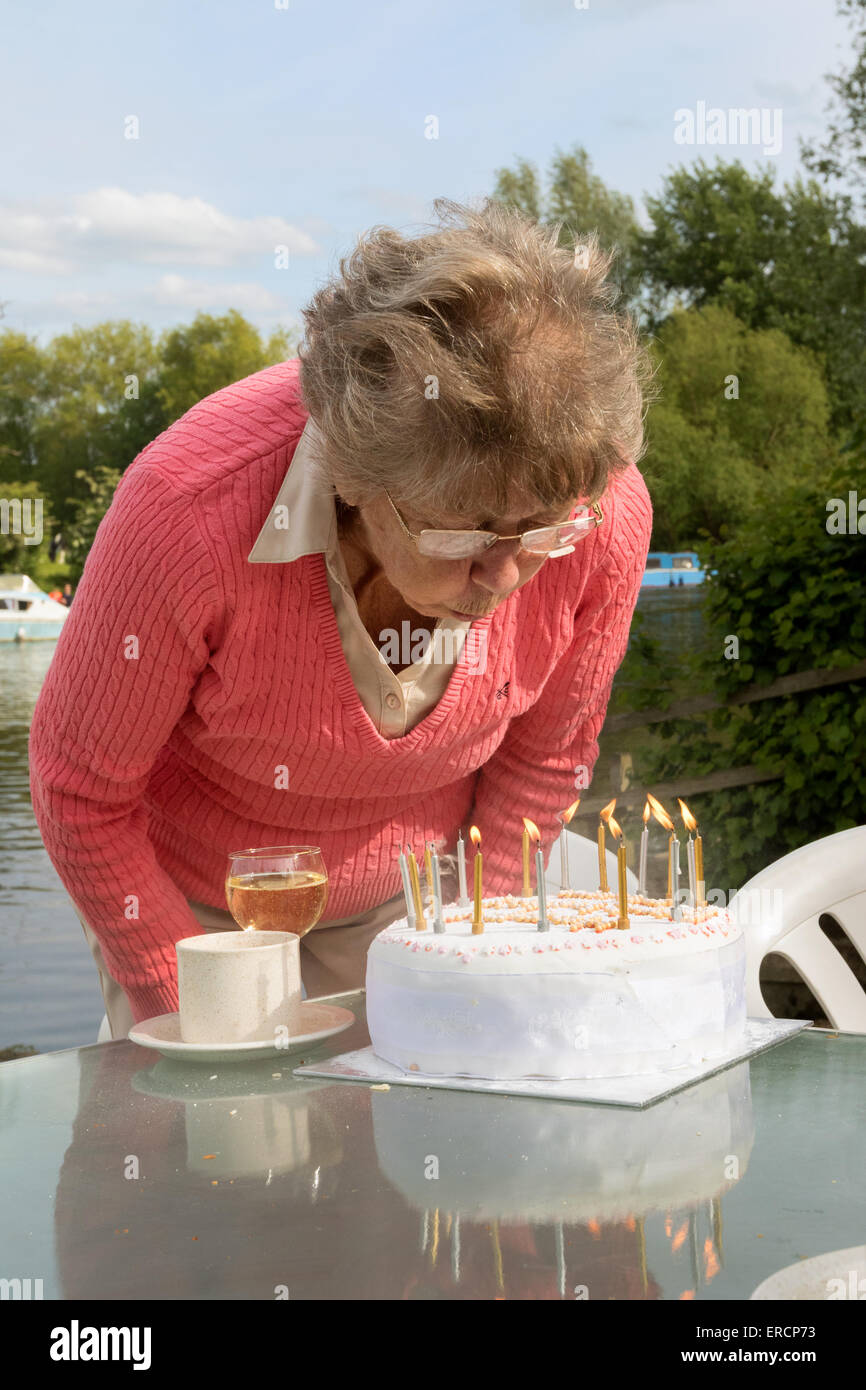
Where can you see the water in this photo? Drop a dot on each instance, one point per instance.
(49, 990)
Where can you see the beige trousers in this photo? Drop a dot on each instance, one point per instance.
(333, 957)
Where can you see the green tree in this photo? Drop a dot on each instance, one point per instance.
(582, 203)
(792, 261)
(95, 493)
(200, 358)
(99, 407)
(22, 392)
(740, 411)
(846, 138)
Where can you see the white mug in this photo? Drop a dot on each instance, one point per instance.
(239, 986)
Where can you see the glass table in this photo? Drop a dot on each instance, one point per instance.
(126, 1176)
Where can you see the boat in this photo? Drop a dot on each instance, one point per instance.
(27, 614)
(672, 569)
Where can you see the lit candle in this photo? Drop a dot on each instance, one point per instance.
(428, 870)
(622, 921)
(540, 886)
(477, 924)
(691, 824)
(407, 890)
(603, 817)
(438, 924)
(664, 819)
(420, 924)
(527, 886)
(565, 818)
(461, 869)
(644, 847)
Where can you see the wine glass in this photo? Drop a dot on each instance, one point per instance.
(278, 888)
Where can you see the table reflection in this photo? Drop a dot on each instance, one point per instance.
(567, 1191)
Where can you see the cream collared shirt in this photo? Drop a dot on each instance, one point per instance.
(303, 521)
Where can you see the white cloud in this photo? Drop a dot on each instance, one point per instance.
(176, 291)
(112, 224)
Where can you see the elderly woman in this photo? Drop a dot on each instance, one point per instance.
(365, 598)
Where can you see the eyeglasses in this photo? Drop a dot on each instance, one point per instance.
(550, 541)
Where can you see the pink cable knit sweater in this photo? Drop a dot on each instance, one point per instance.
(185, 676)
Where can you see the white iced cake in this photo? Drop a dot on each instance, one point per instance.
(583, 999)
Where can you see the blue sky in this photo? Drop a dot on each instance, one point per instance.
(303, 126)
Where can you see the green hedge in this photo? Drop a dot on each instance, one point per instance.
(793, 594)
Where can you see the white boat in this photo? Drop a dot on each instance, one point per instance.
(26, 612)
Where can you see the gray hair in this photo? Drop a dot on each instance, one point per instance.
(483, 360)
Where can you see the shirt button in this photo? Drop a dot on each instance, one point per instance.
(392, 701)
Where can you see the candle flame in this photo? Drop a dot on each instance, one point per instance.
(659, 812)
(607, 811)
(532, 829)
(711, 1263)
(646, 812)
(689, 1293)
(613, 827)
(688, 819)
(567, 815)
(475, 835)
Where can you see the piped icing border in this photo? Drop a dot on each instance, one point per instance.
(581, 921)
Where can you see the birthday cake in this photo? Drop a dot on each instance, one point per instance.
(584, 998)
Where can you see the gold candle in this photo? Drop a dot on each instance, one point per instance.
(604, 816)
(622, 885)
(477, 924)
(527, 882)
(664, 819)
(420, 924)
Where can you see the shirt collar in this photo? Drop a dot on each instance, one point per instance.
(303, 519)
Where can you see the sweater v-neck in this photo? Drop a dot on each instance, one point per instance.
(425, 730)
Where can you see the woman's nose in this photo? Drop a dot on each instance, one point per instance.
(497, 570)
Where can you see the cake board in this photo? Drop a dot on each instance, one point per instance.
(636, 1092)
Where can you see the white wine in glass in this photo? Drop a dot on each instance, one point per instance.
(279, 888)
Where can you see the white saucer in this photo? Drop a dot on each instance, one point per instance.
(318, 1021)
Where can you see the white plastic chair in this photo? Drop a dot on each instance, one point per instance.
(779, 910)
(582, 865)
